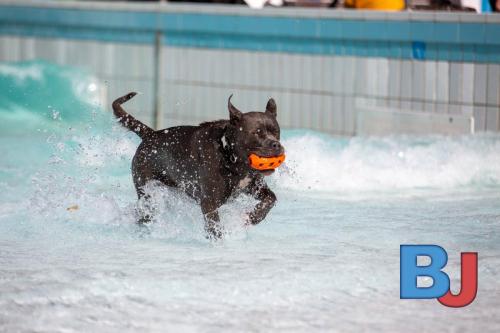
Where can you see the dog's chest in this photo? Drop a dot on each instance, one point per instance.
(243, 183)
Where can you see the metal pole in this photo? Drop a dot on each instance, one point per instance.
(157, 71)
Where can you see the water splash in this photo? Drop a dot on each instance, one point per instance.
(321, 163)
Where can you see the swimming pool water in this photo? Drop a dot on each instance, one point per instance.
(326, 258)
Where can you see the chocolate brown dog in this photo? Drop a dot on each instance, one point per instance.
(209, 162)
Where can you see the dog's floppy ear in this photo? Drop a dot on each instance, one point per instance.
(271, 108)
(234, 113)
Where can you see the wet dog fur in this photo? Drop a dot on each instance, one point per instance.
(209, 162)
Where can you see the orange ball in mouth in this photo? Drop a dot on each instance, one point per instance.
(265, 163)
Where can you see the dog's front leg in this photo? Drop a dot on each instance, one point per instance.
(266, 198)
(212, 222)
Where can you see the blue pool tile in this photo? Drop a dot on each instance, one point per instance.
(468, 53)
(395, 50)
(352, 29)
(455, 52)
(443, 51)
(397, 30)
(445, 32)
(492, 33)
(431, 51)
(407, 50)
(471, 33)
(374, 30)
(330, 28)
(421, 30)
(348, 48)
(304, 28)
(169, 22)
(493, 53)
(382, 49)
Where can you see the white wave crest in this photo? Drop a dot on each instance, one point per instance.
(391, 163)
(22, 73)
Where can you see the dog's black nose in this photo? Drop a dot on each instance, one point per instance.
(275, 144)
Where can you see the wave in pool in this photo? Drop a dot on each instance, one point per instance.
(318, 162)
(81, 159)
(63, 104)
(36, 95)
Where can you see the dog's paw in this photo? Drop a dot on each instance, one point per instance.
(246, 218)
(214, 232)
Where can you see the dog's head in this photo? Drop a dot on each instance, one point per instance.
(255, 132)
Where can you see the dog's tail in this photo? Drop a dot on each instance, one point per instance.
(127, 120)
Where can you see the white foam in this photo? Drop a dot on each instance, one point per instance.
(85, 87)
(22, 73)
(391, 163)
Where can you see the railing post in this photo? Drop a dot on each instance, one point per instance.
(157, 73)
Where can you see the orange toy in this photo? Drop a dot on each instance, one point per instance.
(265, 163)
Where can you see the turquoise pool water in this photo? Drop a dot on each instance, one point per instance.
(326, 258)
